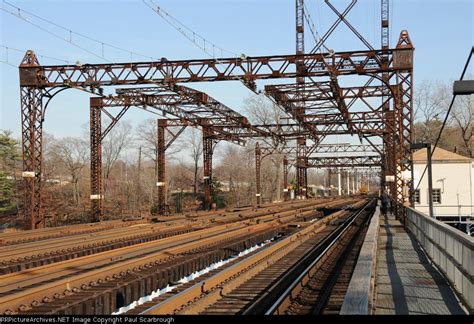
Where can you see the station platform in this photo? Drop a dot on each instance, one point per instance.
(406, 282)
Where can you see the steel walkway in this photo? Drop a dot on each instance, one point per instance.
(406, 281)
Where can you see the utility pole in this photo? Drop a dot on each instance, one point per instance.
(417, 146)
(430, 178)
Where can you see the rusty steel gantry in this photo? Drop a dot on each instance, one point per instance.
(347, 156)
(390, 121)
(391, 68)
(190, 108)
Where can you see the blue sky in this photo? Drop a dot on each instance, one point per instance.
(442, 33)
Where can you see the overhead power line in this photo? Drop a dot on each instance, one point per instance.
(8, 63)
(9, 48)
(447, 116)
(26, 15)
(312, 28)
(198, 40)
(187, 32)
(202, 43)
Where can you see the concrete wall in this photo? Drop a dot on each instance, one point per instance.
(458, 195)
(448, 248)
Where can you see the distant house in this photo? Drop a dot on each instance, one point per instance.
(453, 194)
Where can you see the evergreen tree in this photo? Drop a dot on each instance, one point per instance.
(9, 155)
(7, 206)
(9, 151)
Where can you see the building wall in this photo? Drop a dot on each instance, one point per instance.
(457, 196)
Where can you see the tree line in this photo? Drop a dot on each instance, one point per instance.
(431, 103)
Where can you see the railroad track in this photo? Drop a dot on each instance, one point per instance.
(86, 279)
(110, 295)
(25, 256)
(18, 237)
(21, 291)
(29, 255)
(249, 285)
(320, 286)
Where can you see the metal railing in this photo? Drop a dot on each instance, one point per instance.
(448, 210)
(449, 249)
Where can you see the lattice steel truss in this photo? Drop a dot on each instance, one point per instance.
(319, 108)
(32, 114)
(191, 107)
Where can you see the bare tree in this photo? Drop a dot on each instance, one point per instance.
(147, 135)
(263, 111)
(428, 109)
(195, 142)
(51, 165)
(458, 132)
(73, 153)
(148, 138)
(112, 147)
(462, 118)
(237, 168)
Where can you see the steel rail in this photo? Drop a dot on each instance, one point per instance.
(322, 248)
(21, 298)
(20, 237)
(25, 249)
(10, 238)
(34, 293)
(225, 280)
(28, 255)
(26, 278)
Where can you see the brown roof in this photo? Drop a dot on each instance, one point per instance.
(440, 155)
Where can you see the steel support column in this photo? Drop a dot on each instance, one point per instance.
(161, 167)
(96, 162)
(31, 99)
(258, 161)
(391, 163)
(285, 178)
(207, 151)
(404, 122)
(32, 133)
(301, 171)
(353, 183)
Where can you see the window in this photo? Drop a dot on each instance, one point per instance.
(416, 196)
(437, 196)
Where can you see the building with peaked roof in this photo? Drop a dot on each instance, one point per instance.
(453, 194)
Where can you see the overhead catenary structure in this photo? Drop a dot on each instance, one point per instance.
(190, 108)
(327, 156)
(318, 84)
